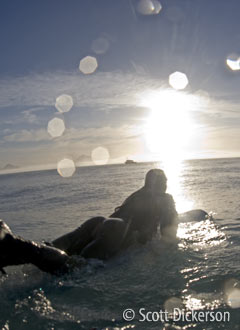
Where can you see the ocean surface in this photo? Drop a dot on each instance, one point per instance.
(200, 273)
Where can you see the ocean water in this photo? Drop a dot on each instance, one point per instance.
(198, 274)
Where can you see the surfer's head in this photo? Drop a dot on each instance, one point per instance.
(156, 180)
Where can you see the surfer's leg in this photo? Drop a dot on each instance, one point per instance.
(14, 250)
(75, 241)
(108, 240)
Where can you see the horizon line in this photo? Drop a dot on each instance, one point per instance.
(52, 167)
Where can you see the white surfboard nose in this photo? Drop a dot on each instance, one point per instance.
(193, 215)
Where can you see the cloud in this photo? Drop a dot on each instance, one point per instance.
(105, 90)
(102, 91)
(29, 116)
(105, 134)
(27, 136)
(119, 128)
(119, 141)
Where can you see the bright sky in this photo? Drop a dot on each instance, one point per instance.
(127, 106)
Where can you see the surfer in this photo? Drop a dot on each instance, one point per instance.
(136, 220)
(150, 207)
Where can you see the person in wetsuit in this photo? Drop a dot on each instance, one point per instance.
(136, 220)
(148, 208)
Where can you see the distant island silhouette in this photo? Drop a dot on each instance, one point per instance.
(130, 161)
(9, 167)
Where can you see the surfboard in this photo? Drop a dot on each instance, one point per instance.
(193, 215)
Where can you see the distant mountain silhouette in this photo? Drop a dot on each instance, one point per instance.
(9, 167)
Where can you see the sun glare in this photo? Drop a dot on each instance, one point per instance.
(174, 171)
(168, 133)
(169, 127)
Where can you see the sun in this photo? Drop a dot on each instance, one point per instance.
(169, 131)
(169, 126)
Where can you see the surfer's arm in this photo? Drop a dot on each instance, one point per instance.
(168, 219)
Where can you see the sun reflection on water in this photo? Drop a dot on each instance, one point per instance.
(174, 172)
(200, 234)
(202, 301)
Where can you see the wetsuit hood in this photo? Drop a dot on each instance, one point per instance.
(156, 180)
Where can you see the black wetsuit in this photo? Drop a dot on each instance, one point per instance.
(98, 237)
(145, 212)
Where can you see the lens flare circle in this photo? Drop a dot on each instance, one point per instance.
(149, 7)
(178, 80)
(100, 45)
(233, 62)
(157, 7)
(56, 127)
(232, 293)
(64, 103)
(233, 299)
(66, 167)
(100, 156)
(88, 65)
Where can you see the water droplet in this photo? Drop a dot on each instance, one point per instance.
(149, 7)
(145, 7)
(233, 299)
(100, 156)
(66, 167)
(233, 62)
(100, 45)
(56, 127)
(232, 293)
(157, 7)
(88, 65)
(178, 80)
(64, 103)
